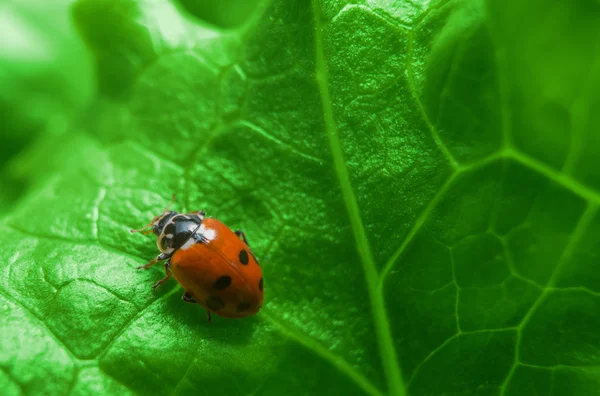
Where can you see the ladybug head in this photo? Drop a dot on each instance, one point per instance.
(160, 221)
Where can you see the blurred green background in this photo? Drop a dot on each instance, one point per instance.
(419, 180)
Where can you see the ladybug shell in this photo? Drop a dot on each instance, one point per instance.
(218, 269)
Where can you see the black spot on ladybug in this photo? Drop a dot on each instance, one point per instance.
(215, 303)
(260, 284)
(243, 256)
(223, 282)
(243, 307)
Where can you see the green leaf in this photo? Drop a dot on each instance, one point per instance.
(418, 179)
(46, 79)
(42, 64)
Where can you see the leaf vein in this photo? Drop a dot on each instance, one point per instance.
(314, 346)
(413, 91)
(564, 180)
(416, 227)
(381, 323)
(580, 228)
(185, 374)
(133, 319)
(273, 139)
(28, 311)
(13, 379)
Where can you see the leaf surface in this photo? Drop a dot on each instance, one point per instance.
(418, 182)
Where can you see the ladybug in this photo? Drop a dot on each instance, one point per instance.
(213, 264)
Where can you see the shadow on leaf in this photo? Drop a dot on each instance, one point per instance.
(234, 331)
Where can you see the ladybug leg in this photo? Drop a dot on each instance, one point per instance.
(158, 258)
(188, 298)
(166, 278)
(242, 236)
(208, 316)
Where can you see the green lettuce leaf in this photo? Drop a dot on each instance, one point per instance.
(419, 180)
(45, 80)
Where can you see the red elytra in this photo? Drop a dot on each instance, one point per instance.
(213, 264)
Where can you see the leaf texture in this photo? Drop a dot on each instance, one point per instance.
(418, 181)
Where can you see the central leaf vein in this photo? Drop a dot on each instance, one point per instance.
(380, 319)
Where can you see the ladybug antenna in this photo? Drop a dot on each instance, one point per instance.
(171, 203)
(142, 229)
(153, 220)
